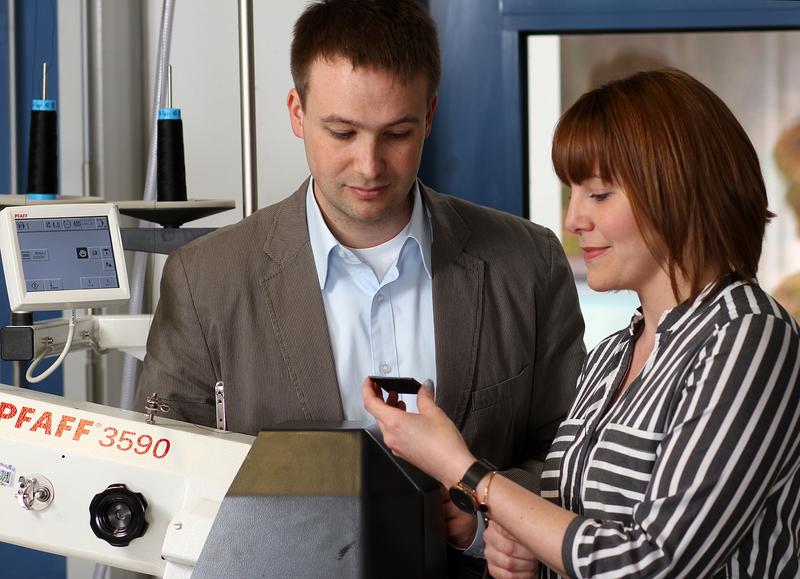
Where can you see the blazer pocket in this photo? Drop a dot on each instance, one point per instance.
(491, 395)
(620, 470)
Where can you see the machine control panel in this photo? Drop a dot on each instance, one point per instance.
(63, 256)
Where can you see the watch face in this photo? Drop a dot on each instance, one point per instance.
(463, 500)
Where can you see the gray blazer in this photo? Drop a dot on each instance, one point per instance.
(243, 305)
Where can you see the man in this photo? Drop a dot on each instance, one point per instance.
(364, 270)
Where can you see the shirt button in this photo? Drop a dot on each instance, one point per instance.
(379, 298)
(385, 368)
(342, 253)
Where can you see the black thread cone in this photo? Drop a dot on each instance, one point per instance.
(43, 153)
(171, 168)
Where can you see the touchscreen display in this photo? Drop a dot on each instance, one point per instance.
(66, 254)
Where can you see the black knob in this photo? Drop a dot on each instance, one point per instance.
(117, 515)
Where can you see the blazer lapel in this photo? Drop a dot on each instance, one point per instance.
(457, 306)
(298, 313)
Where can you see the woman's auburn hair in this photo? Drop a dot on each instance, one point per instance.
(687, 167)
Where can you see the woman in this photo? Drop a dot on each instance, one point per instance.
(680, 456)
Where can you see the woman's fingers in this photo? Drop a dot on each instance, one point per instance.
(506, 556)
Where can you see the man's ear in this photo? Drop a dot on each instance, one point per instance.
(429, 114)
(295, 112)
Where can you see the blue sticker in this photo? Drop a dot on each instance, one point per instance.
(43, 105)
(6, 475)
(169, 114)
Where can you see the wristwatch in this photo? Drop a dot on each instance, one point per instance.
(464, 494)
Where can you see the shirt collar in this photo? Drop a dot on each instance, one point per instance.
(675, 318)
(323, 241)
(672, 319)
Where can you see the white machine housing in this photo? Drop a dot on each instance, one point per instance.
(182, 470)
(14, 220)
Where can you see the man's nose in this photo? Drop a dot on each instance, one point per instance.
(369, 159)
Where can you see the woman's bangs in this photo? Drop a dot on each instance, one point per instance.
(581, 149)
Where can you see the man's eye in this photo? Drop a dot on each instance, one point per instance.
(342, 135)
(398, 136)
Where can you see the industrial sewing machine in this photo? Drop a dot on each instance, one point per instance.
(142, 492)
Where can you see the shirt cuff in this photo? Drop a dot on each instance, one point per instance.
(569, 546)
(477, 546)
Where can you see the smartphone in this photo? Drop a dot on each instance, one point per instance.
(399, 384)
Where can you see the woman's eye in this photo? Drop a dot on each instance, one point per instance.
(599, 196)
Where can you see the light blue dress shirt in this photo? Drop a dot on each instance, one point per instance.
(377, 327)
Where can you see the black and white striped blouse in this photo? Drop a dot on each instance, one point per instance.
(694, 471)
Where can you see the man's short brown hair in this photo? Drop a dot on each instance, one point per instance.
(398, 36)
(685, 163)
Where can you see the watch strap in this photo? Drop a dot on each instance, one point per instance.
(479, 469)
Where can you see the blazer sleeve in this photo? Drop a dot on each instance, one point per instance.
(559, 356)
(178, 364)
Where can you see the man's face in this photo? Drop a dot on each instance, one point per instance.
(363, 131)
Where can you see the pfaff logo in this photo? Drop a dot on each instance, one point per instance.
(66, 426)
(27, 418)
(20, 215)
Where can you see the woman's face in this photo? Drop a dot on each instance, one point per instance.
(614, 250)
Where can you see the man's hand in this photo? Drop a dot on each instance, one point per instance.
(460, 526)
(506, 557)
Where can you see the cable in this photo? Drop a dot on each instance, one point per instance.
(46, 350)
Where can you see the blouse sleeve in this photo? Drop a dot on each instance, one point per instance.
(731, 446)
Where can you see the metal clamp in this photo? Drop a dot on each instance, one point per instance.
(219, 401)
(153, 404)
(34, 493)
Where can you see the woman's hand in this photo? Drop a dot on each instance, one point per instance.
(393, 400)
(506, 557)
(428, 440)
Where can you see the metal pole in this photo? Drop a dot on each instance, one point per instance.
(95, 98)
(12, 98)
(17, 372)
(86, 91)
(247, 94)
